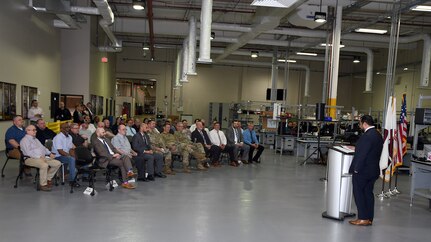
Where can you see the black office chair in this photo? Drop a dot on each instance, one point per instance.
(22, 166)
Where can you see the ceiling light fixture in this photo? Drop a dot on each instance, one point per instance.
(406, 69)
(371, 31)
(139, 5)
(320, 17)
(288, 61)
(212, 36)
(254, 54)
(423, 8)
(145, 47)
(306, 53)
(273, 3)
(324, 45)
(356, 59)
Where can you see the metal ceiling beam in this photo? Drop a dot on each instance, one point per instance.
(150, 26)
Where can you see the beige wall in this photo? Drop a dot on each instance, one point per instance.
(30, 54)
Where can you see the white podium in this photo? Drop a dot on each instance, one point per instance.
(339, 186)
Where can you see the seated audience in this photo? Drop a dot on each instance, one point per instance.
(90, 126)
(218, 138)
(187, 148)
(78, 116)
(137, 123)
(250, 139)
(201, 136)
(77, 139)
(147, 161)
(130, 131)
(85, 132)
(186, 129)
(62, 113)
(171, 144)
(158, 145)
(63, 148)
(13, 136)
(235, 139)
(40, 157)
(122, 144)
(43, 133)
(114, 127)
(108, 155)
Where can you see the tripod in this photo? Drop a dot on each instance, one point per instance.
(317, 150)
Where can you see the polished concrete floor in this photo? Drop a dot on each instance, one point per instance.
(276, 200)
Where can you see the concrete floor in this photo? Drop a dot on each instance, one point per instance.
(273, 201)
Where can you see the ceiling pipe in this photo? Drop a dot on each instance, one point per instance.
(370, 64)
(191, 70)
(107, 19)
(67, 20)
(151, 26)
(85, 10)
(205, 40)
(269, 65)
(110, 49)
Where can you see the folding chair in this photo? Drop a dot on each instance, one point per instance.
(5, 163)
(22, 165)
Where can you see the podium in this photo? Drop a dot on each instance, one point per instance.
(339, 186)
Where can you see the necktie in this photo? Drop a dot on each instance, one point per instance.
(203, 137)
(145, 139)
(236, 135)
(107, 147)
(219, 139)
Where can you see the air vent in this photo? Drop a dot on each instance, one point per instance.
(273, 3)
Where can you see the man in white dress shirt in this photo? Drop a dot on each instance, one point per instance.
(218, 138)
(35, 112)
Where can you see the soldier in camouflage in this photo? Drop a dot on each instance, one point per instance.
(187, 148)
(159, 146)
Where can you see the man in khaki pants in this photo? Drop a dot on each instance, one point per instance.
(40, 157)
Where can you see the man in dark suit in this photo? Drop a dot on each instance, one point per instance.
(147, 161)
(201, 136)
(235, 139)
(365, 170)
(108, 155)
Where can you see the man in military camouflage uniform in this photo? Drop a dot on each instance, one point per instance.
(159, 146)
(187, 148)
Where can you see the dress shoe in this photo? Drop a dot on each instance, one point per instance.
(361, 222)
(45, 188)
(127, 185)
(49, 183)
(143, 179)
(150, 177)
(187, 170)
(130, 174)
(233, 163)
(160, 175)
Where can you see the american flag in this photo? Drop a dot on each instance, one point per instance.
(402, 133)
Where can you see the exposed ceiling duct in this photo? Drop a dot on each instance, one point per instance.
(107, 20)
(265, 19)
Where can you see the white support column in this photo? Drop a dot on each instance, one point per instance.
(426, 58)
(274, 77)
(185, 62)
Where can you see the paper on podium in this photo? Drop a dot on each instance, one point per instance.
(345, 148)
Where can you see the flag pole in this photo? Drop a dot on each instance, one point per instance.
(381, 196)
(388, 194)
(395, 191)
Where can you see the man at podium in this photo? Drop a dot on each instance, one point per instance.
(365, 170)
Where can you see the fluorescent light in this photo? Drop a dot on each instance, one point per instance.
(273, 3)
(421, 8)
(288, 61)
(320, 17)
(254, 54)
(145, 48)
(138, 7)
(324, 45)
(212, 36)
(306, 53)
(356, 59)
(406, 69)
(39, 9)
(371, 31)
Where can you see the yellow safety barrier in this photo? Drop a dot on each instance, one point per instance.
(55, 126)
